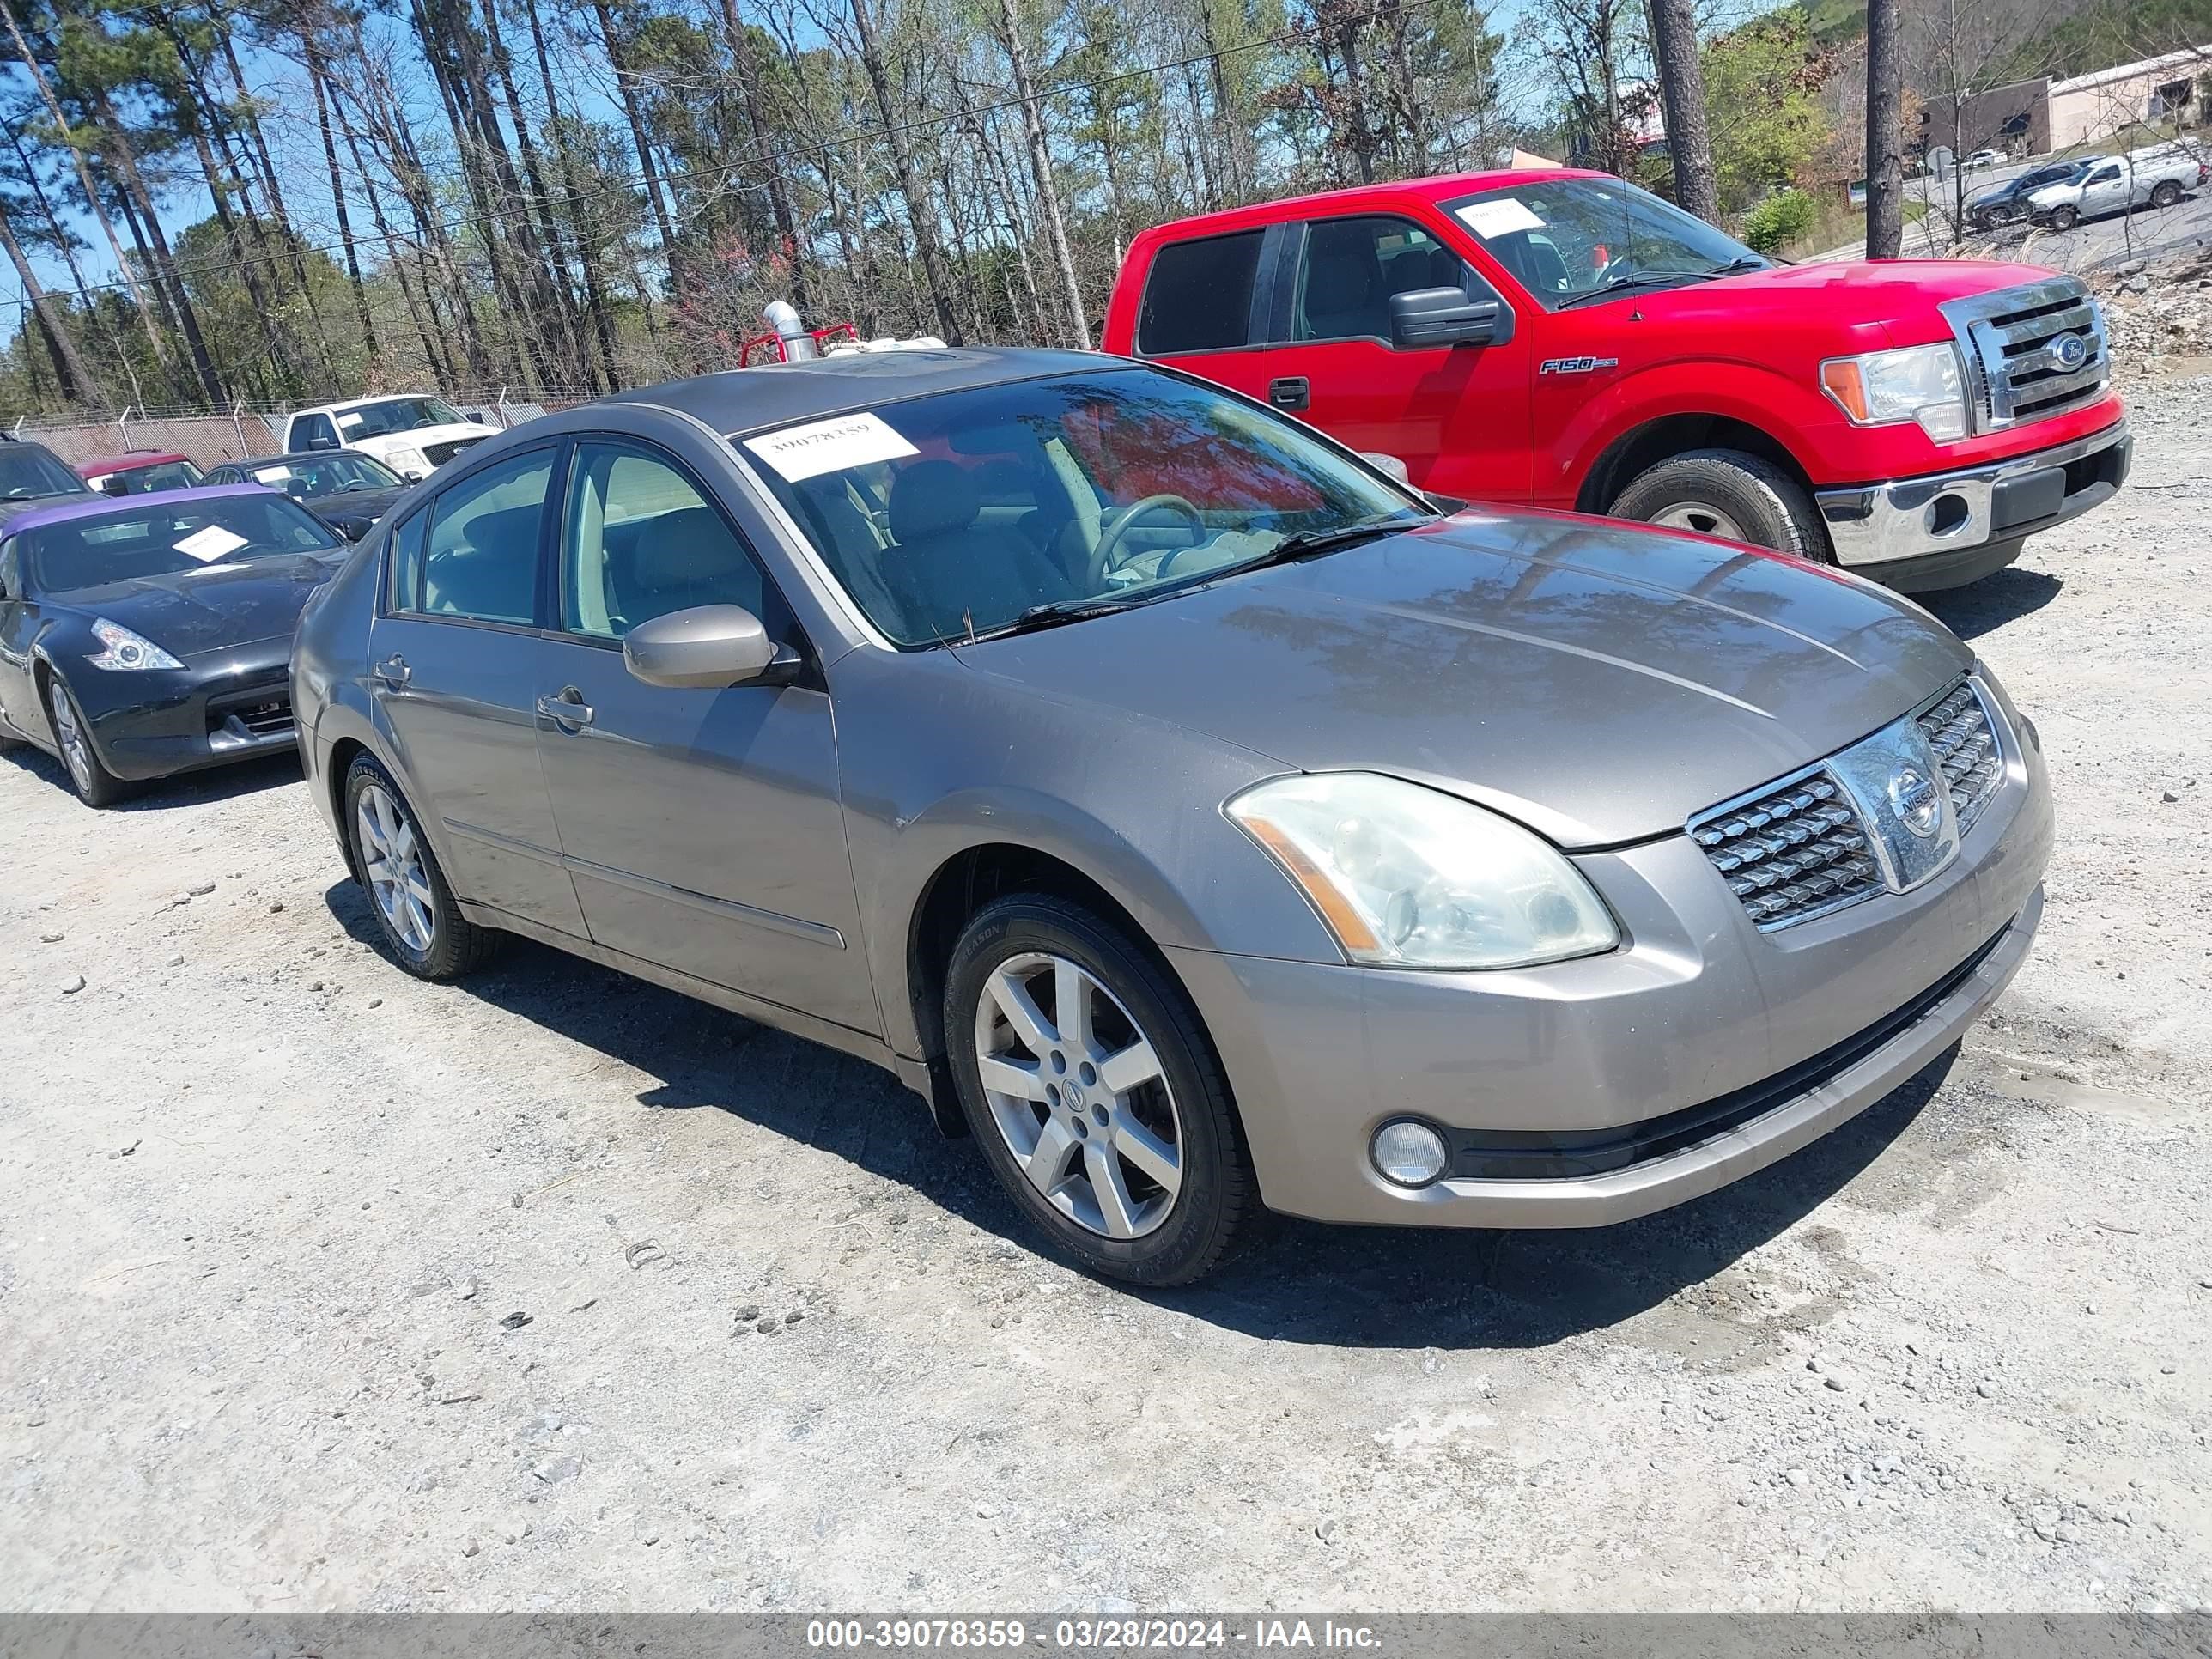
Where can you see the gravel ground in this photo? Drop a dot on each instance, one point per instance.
(324, 1289)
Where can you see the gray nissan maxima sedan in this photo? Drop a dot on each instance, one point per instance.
(1173, 799)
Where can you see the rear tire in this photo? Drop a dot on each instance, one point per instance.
(89, 780)
(1727, 493)
(416, 912)
(2165, 193)
(1112, 1126)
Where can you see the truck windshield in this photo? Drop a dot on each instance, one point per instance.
(380, 420)
(1564, 240)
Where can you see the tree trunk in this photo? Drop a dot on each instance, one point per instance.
(550, 271)
(1885, 116)
(119, 149)
(586, 255)
(63, 241)
(84, 181)
(651, 173)
(77, 383)
(316, 78)
(1682, 95)
(1048, 195)
(269, 183)
(919, 215)
(778, 191)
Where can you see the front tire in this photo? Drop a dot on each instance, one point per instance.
(1088, 1080)
(416, 912)
(1727, 493)
(89, 776)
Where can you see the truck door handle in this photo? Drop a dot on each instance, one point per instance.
(393, 671)
(1292, 392)
(569, 709)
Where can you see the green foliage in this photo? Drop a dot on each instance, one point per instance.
(1762, 89)
(1782, 218)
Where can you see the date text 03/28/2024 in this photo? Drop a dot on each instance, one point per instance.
(1098, 1635)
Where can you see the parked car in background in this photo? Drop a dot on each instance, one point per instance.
(1565, 340)
(141, 472)
(347, 489)
(30, 475)
(1180, 803)
(413, 436)
(2007, 203)
(2156, 176)
(1984, 158)
(153, 634)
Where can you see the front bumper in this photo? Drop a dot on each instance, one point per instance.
(226, 706)
(1626, 1083)
(1937, 526)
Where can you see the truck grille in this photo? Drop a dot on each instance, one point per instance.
(1796, 851)
(439, 454)
(2031, 352)
(1959, 736)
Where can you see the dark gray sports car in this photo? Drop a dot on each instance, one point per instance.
(152, 634)
(346, 488)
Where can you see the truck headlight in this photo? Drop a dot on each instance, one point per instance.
(126, 650)
(1406, 876)
(411, 463)
(1915, 383)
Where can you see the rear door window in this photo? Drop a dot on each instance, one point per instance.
(480, 560)
(1198, 297)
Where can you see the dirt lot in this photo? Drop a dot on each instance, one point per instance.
(268, 1209)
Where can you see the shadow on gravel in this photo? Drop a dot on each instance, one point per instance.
(1297, 1281)
(217, 783)
(2005, 596)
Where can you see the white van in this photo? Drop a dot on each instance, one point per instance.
(413, 435)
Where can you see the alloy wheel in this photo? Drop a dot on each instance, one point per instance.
(392, 859)
(1700, 516)
(1080, 1095)
(76, 749)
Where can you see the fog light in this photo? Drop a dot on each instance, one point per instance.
(1947, 514)
(1412, 1154)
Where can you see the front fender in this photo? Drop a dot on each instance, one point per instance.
(1791, 412)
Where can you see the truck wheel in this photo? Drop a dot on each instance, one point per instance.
(2165, 195)
(1727, 493)
(2064, 218)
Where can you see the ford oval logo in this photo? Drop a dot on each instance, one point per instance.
(1917, 801)
(2067, 352)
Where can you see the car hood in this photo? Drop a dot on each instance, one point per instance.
(16, 509)
(195, 611)
(417, 436)
(1885, 291)
(355, 506)
(1601, 683)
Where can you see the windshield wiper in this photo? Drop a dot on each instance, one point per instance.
(1051, 614)
(1657, 278)
(1311, 543)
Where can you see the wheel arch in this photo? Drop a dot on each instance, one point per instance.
(1652, 441)
(343, 753)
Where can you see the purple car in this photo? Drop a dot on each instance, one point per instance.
(149, 634)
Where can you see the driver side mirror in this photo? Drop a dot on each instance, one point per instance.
(706, 648)
(1425, 317)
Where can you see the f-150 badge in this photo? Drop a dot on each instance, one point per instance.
(1576, 365)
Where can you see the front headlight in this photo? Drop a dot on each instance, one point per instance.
(1915, 383)
(1407, 878)
(126, 649)
(412, 462)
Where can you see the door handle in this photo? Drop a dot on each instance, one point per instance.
(569, 709)
(1292, 392)
(393, 671)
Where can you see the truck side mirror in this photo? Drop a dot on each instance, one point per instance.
(1425, 317)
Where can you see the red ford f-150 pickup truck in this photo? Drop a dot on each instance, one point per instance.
(1565, 340)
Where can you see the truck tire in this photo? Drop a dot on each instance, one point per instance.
(2063, 217)
(2164, 194)
(1727, 493)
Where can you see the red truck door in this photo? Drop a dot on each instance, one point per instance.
(1298, 316)
(1457, 415)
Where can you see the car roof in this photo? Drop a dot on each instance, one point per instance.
(1440, 187)
(102, 506)
(738, 400)
(135, 458)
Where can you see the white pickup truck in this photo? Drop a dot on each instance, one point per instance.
(2155, 177)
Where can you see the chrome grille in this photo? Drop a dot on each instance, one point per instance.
(2014, 343)
(439, 454)
(1794, 851)
(1964, 745)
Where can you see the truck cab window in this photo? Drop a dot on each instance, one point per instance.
(1199, 295)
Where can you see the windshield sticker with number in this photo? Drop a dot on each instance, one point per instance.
(800, 453)
(210, 542)
(1500, 217)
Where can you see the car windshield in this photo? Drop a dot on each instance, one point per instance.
(392, 414)
(325, 474)
(161, 475)
(2050, 175)
(1564, 240)
(28, 472)
(133, 543)
(955, 515)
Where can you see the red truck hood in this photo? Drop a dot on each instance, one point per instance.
(1902, 293)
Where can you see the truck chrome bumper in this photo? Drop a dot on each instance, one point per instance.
(1908, 521)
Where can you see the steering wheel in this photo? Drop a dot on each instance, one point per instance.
(1111, 532)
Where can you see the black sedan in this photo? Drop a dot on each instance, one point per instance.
(347, 489)
(151, 634)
